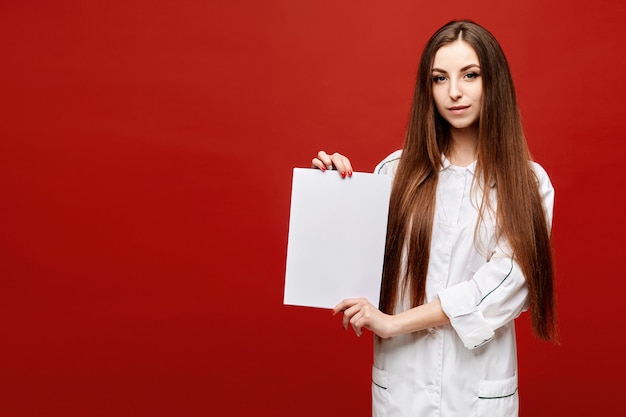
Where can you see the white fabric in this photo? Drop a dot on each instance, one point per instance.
(468, 368)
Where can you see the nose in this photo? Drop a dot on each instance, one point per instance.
(454, 91)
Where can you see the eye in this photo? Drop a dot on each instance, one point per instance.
(439, 78)
(472, 75)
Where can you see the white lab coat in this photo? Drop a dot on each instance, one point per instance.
(467, 368)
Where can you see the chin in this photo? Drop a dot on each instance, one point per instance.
(461, 125)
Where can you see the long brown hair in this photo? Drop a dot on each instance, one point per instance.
(503, 162)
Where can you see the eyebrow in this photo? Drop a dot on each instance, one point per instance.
(465, 68)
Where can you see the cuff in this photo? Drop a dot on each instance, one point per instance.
(459, 304)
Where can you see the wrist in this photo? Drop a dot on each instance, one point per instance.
(392, 328)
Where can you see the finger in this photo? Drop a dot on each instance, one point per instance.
(344, 305)
(347, 316)
(348, 167)
(357, 323)
(342, 164)
(339, 307)
(350, 313)
(325, 159)
(316, 163)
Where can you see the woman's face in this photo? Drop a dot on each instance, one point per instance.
(457, 85)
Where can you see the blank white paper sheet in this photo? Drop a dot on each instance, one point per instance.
(337, 232)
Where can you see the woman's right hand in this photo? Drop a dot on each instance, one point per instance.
(336, 161)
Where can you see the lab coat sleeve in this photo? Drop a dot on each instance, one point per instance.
(388, 165)
(497, 293)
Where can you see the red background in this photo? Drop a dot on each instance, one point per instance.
(145, 169)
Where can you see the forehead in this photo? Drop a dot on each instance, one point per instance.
(455, 55)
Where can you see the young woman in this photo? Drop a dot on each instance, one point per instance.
(468, 246)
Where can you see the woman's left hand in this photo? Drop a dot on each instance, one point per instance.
(360, 313)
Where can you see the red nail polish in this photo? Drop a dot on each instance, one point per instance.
(349, 173)
(323, 169)
(343, 174)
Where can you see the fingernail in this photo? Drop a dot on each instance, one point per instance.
(349, 173)
(343, 174)
(323, 169)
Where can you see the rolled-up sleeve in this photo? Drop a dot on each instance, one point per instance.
(497, 293)
(459, 304)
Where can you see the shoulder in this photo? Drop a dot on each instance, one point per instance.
(546, 190)
(388, 165)
(543, 179)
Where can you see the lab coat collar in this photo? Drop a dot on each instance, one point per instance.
(445, 164)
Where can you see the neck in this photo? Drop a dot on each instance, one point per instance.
(463, 144)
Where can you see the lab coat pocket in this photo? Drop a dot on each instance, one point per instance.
(380, 395)
(498, 398)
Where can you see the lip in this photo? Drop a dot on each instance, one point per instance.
(458, 109)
